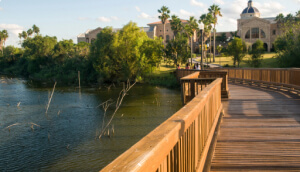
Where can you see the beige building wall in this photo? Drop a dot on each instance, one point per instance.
(267, 26)
(169, 34)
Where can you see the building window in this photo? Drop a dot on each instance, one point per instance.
(160, 30)
(87, 40)
(262, 34)
(274, 32)
(255, 33)
(167, 38)
(247, 36)
(161, 37)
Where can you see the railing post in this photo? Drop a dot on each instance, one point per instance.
(192, 88)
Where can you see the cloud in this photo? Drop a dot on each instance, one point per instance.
(271, 9)
(13, 32)
(1, 8)
(137, 8)
(220, 2)
(107, 19)
(83, 18)
(145, 16)
(196, 3)
(298, 1)
(104, 19)
(184, 13)
(114, 18)
(12, 28)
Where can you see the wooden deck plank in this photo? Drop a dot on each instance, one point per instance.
(259, 132)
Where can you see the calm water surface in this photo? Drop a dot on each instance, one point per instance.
(65, 138)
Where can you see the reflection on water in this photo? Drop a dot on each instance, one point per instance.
(65, 138)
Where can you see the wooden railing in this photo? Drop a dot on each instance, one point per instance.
(289, 78)
(182, 142)
(183, 73)
(191, 86)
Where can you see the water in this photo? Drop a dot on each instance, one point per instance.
(64, 140)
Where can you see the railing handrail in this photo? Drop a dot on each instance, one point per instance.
(182, 74)
(287, 76)
(150, 151)
(192, 75)
(198, 79)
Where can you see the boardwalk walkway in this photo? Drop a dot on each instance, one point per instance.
(259, 132)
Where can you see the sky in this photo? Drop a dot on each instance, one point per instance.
(66, 19)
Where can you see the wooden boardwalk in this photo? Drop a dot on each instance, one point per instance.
(259, 132)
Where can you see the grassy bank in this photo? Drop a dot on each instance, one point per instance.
(269, 61)
(163, 76)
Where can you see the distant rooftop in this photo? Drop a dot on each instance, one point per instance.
(270, 19)
(82, 35)
(168, 21)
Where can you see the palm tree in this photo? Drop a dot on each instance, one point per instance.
(279, 18)
(289, 17)
(215, 10)
(207, 20)
(298, 14)
(35, 29)
(3, 37)
(176, 25)
(191, 28)
(164, 16)
(29, 32)
(234, 34)
(24, 35)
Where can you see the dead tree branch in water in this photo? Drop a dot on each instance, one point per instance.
(122, 94)
(50, 98)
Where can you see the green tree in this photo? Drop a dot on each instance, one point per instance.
(191, 29)
(64, 49)
(207, 20)
(287, 45)
(24, 35)
(35, 29)
(298, 14)
(215, 10)
(237, 48)
(82, 49)
(234, 34)
(39, 46)
(11, 54)
(219, 48)
(289, 18)
(151, 50)
(164, 16)
(120, 56)
(3, 37)
(29, 32)
(102, 55)
(126, 46)
(280, 18)
(176, 49)
(256, 53)
(176, 25)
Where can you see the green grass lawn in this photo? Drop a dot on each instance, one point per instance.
(269, 61)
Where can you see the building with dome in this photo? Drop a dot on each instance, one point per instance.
(252, 27)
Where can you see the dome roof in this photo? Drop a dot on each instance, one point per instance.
(250, 8)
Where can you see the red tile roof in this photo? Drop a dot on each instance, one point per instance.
(168, 21)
